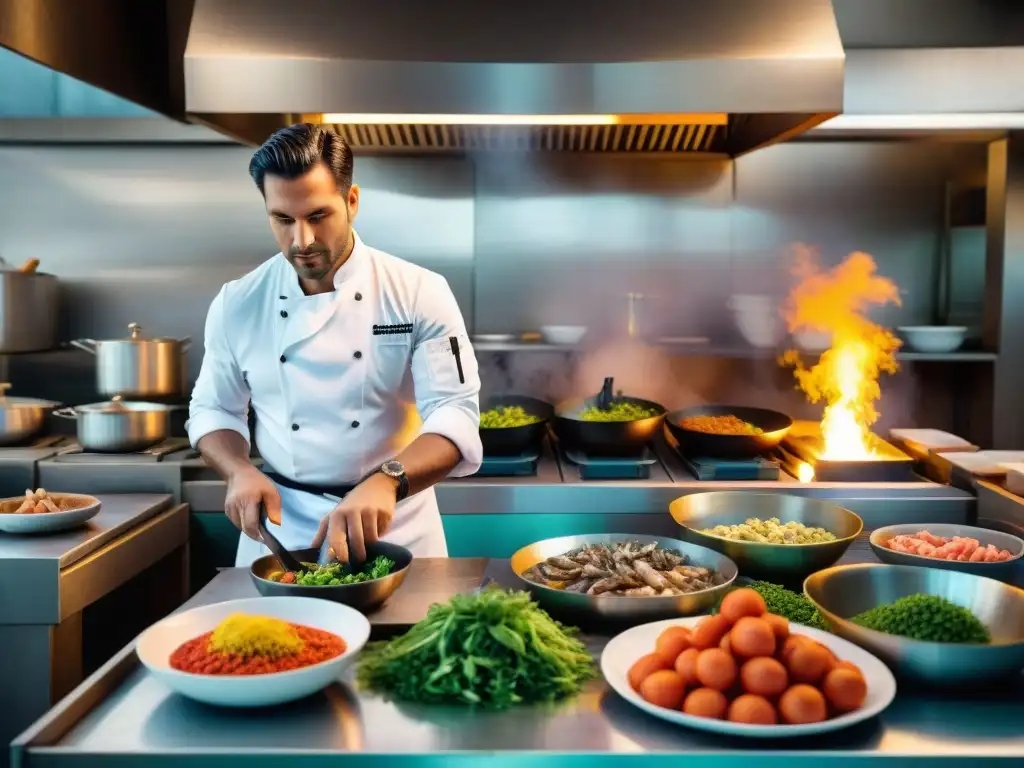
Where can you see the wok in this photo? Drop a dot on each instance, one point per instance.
(363, 596)
(513, 441)
(606, 438)
(696, 444)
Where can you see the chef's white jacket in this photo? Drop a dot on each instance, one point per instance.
(332, 379)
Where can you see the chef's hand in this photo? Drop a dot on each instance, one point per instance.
(361, 518)
(247, 487)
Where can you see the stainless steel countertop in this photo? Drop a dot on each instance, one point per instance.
(32, 568)
(142, 721)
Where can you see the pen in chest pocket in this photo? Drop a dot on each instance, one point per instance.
(454, 343)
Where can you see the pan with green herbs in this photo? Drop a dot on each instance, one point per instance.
(384, 571)
(944, 628)
(608, 425)
(511, 425)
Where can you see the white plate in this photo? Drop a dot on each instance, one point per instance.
(155, 646)
(624, 649)
(50, 522)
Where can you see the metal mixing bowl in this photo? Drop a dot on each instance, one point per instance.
(364, 596)
(1004, 571)
(786, 563)
(622, 609)
(848, 590)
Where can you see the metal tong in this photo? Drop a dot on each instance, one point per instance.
(605, 398)
(287, 560)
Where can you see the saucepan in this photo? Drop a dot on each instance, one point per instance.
(119, 426)
(137, 367)
(607, 438)
(515, 440)
(21, 418)
(773, 426)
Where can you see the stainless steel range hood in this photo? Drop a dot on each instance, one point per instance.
(676, 76)
(565, 75)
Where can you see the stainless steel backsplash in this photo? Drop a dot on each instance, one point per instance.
(148, 234)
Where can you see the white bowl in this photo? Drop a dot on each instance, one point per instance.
(757, 320)
(626, 648)
(813, 341)
(50, 522)
(935, 339)
(155, 646)
(563, 334)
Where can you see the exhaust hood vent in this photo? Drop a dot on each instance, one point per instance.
(664, 76)
(680, 76)
(619, 137)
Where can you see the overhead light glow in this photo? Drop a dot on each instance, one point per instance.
(963, 121)
(412, 119)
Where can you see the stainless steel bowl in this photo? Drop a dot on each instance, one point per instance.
(773, 562)
(364, 596)
(1004, 571)
(622, 609)
(845, 591)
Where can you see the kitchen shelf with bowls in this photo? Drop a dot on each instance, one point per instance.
(695, 348)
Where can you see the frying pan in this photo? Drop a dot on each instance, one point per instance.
(513, 441)
(695, 444)
(606, 438)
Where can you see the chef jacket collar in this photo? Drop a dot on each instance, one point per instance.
(352, 267)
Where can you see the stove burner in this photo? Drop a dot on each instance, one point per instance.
(612, 468)
(524, 465)
(732, 469)
(806, 446)
(75, 454)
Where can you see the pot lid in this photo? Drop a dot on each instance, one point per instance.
(135, 334)
(117, 405)
(22, 402)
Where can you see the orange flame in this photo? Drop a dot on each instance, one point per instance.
(846, 375)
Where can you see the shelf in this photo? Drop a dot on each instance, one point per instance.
(725, 351)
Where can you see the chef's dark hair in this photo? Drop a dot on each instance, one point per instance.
(294, 150)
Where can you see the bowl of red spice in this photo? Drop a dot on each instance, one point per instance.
(255, 652)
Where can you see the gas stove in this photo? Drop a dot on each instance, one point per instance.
(74, 453)
(804, 446)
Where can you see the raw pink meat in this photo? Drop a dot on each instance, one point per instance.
(959, 548)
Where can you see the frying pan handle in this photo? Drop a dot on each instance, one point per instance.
(604, 399)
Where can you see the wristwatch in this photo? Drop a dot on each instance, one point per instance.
(393, 468)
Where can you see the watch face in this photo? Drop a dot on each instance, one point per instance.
(393, 468)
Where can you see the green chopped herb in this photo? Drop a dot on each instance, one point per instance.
(503, 417)
(622, 411)
(925, 617)
(491, 649)
(336, 574)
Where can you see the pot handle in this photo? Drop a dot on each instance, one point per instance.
(87, 345)
(186, 342)
(67, 412)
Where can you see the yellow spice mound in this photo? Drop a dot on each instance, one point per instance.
(245, 635)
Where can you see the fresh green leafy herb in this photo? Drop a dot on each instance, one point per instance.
(925, 617)
(336, 574)
(784, 602)
(491, 649)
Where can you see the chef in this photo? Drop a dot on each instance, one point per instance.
(336, 346)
